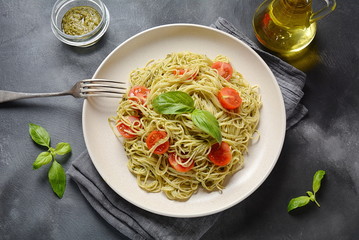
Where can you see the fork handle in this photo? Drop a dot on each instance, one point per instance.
(6, 96)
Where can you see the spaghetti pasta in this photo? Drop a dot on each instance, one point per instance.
(190, 73)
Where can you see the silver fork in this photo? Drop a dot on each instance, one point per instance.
(82, 89)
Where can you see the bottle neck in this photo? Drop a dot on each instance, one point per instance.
(299, 3)
(292, 13)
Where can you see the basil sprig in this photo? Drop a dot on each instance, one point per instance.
(56, 174)
(304, 200)
(207, 123)
(177, 102)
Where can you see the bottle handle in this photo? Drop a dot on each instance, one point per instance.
(331, 5)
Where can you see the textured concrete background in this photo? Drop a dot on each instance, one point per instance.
(33, 60)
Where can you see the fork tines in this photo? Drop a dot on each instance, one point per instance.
(102, 88)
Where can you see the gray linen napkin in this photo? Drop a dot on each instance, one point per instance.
(130, 220)
(136, 223)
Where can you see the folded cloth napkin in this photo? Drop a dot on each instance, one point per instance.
(290, 80)
(136, 223)
(130, 220)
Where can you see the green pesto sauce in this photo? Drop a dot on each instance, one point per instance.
(80, 20)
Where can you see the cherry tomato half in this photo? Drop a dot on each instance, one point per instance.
(220, 154)
(183, 71)
(138, 94)
(172, 157)
(153, 138)
(229, 98)
(125, 130)
(224, 69)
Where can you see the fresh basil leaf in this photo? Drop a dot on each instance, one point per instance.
(174, 102)
(42, 159)
(207, 123)
(317, 179)
(39, 135)
(298, 202)
(57, 178)
(62, 148)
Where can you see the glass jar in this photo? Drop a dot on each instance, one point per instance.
(60, 9)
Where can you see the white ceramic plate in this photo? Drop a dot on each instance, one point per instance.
(109, 156)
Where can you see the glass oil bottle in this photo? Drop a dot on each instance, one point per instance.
(287, 26)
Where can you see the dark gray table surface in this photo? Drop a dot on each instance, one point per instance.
(33, 60)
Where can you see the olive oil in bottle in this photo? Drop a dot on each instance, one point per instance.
(286, 26)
